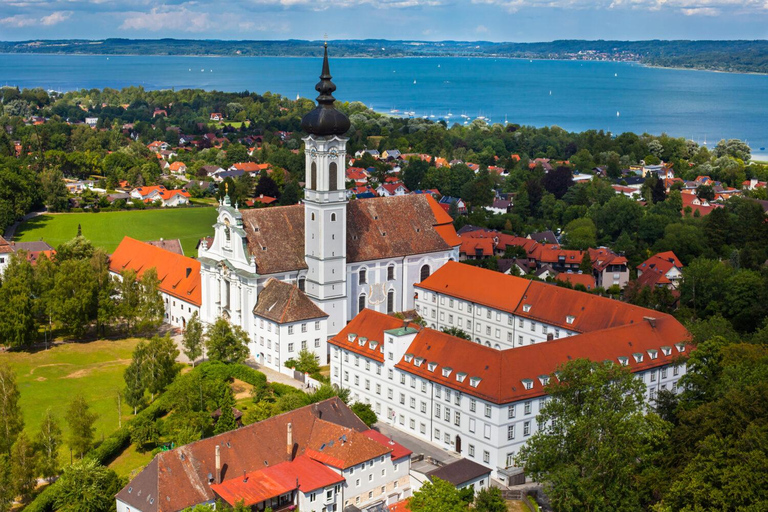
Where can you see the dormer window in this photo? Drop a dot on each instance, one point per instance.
(623, 360)
(431, 366)
(361, 340)
(460, 376)
(373, 344)
(638, 357)
(474, 381)
(526, 308)
(408, 358)
(351, 336)
(570, 319)
(528, 383)
(418, 361)
(667, 351)
(680, 347)
(653, 354)
(544, 379)
(447, 371)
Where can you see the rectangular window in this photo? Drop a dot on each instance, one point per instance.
(317, 342)
(422, 428)
(487, 431)
(402, 399)
(391, 273)
(424, 407)
(402, 379)
(653, 375)
(437, 410)
(437, 433)
(527, 428)
(471, 450)
(304, 345)
(378, 389)
(472, 404)
(447, 438)
(423, 386)
(413, 403)
(290, 329)
(290, 347)
(457, 418)
(527, 407)
(520, 341)
(357, 380)
(447, 415)
(363, 276)
(438, 392)
(391, 374)
(487, 411)
(472, 425)
(389, 393)
(486, 457)
(413, 381)
(510, 432)
(664, 373)
(675, 370)
(511, 411)
(304, 327)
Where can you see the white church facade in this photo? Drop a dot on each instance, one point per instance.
(344, 255)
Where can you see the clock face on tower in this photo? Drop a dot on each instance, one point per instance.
(313, 152)
(334, 153)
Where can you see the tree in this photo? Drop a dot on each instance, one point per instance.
(733, 148)
(159, 364)
(78, 248)
(457, 332)
(365, 413)
(11, 420)
(74, 295)
(135, 385)
(226, 343)
(659, 191)
(307, 362)
(267, 187)
(226, 420)
(558, 181)
(80, 420)
(144, 432)
(24, 466)
(87, 486)
(437, 496)
(53, 189)
(7, 484)
(586, 263)
(594, 440)
(17, 321)
(192, 340)
(580, 234)
(490, 499)
(291, 194)
(151, 308)
(48, 443)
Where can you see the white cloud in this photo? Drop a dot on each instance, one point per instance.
(181, 19)
(686, 7)
(55, 18)
(481, 29)
(20, 21)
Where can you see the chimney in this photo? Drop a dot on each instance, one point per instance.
(651, 320)
(217, 476)
(189, 271)
(289, 444)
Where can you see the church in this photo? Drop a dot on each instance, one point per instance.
(325, 260)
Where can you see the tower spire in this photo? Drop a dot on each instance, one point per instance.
(325, 120)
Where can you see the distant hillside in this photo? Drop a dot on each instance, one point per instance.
(734, 56)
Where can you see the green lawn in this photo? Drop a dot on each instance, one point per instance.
(107, 229)
(130, 462)
(51, 378)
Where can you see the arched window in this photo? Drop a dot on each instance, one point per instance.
(391, 272)
(424, 272)
(313, 216)
(362, 276)
(391, 301)
(333, 217)
(361, 303)
(313, 181)
(332, 176)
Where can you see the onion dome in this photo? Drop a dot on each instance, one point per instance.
(325, 120)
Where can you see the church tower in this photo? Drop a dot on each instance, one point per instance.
(325, 203)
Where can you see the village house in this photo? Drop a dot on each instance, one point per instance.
(660, 270)
(217, 116)
(179, 276)
(166, 197)
(178, 168)
(320, 457)
(391, 189)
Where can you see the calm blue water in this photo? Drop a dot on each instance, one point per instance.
(573, 95)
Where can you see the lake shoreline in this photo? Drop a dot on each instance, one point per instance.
(374, 57)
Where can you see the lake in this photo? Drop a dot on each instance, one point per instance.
(612, 96)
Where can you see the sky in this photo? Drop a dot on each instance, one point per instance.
(473, 20)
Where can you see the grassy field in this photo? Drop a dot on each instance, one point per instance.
(51, 378)
(107, 229)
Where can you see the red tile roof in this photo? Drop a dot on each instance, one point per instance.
(587, 280)
(478, 285)
(501, 372)
(251, 167)
(653, 270)
(302, 473)
(179, 275)
(400, 506)
(398, 451)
